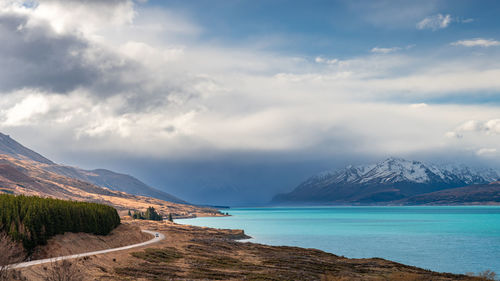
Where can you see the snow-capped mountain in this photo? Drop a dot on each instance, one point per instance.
(391, 179)
(394, 170)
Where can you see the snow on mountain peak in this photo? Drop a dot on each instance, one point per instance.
(394, 170)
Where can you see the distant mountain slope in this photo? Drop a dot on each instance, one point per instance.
(390, 180)
(100, 177)
(20, 176)
(114, 181)
(10, 147)
(470, 195)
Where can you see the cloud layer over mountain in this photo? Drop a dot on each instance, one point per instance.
(134, 80)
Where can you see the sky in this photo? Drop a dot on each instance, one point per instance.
(230, 102)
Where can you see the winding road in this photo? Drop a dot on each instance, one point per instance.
(157, 237)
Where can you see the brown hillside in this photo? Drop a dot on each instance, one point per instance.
(30, 178)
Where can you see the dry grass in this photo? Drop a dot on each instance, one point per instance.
(152, 255)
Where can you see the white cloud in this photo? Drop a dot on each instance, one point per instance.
(67, 17)
(453, 135)
(486, 151)
(25, 110)
(470, 126)
(492, 126)
(378, 50)
(435, 22)
(489, 127)
(419, 105)
(481, 137)
(163, 93)
(326, 61)
(477, 42)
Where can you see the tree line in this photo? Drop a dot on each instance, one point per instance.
(150, 214)
(32, 220)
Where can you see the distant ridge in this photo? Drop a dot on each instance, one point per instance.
(100, 177)
(387, 181)
(10, 147)
(468, 195)
(114, 181)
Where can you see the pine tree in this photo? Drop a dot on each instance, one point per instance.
(32, 220)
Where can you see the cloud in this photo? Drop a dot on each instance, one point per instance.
(65, 16)
(378, 50)
(453, 135)
(163, 92)
(326, 61)
(435, 22)
(492, 126)
(486, 151)
(37, 57)
(489, 127)
(479, 136)
(152, 84)
(477, 42)
(475, 133)
(419, 105)
(28, 108)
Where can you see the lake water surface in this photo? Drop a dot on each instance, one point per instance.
(446, 239)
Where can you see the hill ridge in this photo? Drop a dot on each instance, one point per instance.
(101, 177)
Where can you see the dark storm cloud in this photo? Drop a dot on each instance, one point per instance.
(236, 178)
(34, 56)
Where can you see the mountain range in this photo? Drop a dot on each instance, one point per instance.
(392, 181)
(24, 171)
(100, 177)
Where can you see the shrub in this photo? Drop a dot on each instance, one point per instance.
(150, 214)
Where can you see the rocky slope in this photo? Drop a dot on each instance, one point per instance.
(390, 180)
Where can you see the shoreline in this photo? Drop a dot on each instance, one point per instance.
(296, 263)
(410, 258)
(203, 253)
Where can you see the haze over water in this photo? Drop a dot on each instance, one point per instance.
(447, 239)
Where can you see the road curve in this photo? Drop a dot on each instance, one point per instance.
(154, 240)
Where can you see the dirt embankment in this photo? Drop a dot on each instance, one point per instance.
(76, 243)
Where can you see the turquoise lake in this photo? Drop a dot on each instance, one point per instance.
(446, 239)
